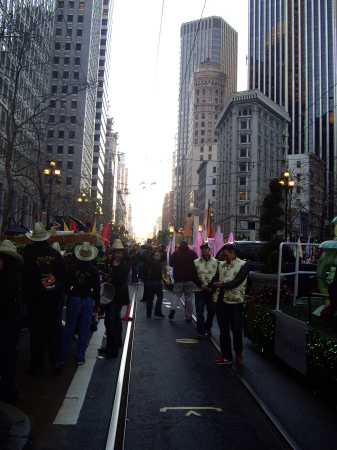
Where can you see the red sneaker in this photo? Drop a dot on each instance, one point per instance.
(239, 358)
(222, 361)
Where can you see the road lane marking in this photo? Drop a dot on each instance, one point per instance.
(191, 409)
(70, 410)
(187, 341)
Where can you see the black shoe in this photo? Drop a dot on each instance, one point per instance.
(208, 332)
(108, 353)
(57, 368)
(80, 361)
(143, 300)
(171, 315)
(148, 315)
(159, 316)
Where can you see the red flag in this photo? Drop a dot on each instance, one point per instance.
(105, 231)
(72, 226)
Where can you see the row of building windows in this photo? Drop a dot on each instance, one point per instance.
(71, 5)
(61, 134)
(209, 92)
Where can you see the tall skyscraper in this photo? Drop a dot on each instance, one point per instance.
(209, 39)
(75, 75)
(292, 60)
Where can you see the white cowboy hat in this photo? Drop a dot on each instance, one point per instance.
(8, 248)
(107, 293)
(117, 245)
(39, 233)
(57, 247)
(86, 252)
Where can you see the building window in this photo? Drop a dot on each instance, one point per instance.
(214, 169)
(81, 5)
(65, 74)
(78, 47)
(68, 32)
(209, 157)
(71, 5)
(65, 89)
(61, 134)
(58, 31)
(67, 46)
(77, 61)
(69, 181)
(79, 32)
(60, 149)
(213, 193)
(50, 134)
(63, 104)
(80, 19)
(52, 118)
(70, 150)
(49, 149)
(72, 134)
(73, 119)
(66, 60)
(201, 157)
(73, 104)
(70, 165)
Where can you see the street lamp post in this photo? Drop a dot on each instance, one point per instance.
(51, 173)
(287, 186)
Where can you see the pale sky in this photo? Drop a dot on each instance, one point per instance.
(144, 90)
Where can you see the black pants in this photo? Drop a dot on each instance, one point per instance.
(9, 338)
(229, 317)
(44, 325)
(204, 299)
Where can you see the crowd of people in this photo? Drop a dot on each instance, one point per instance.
(42, 278)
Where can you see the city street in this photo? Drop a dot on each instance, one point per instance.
(178, 397)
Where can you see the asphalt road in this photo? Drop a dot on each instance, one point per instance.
(178, 399)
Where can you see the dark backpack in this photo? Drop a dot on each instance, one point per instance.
(49, 284)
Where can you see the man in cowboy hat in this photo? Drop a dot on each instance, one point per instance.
(117, 274)
(83, 289)
(10, 285)
(43, 285)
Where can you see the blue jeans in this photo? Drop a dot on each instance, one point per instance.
(229, 317)
(114, 327)
(203, 299)
(82, 309)
(154, 288)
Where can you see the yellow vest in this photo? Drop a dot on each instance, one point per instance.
(227, 272)
(206, 270)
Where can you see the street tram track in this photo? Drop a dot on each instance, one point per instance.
(116, 433)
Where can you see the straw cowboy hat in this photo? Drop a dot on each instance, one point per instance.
(57, 247)
(39, 233)
(86, 252)
(117, 245)
(8, 248)
(107, 293)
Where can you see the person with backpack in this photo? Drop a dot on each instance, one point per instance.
(42, 289)
(83, 290)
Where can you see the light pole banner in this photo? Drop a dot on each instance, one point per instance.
(290, 341)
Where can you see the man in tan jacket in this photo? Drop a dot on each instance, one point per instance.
(229, 299)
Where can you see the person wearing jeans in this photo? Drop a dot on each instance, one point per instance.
(182, 262)
(83, 290)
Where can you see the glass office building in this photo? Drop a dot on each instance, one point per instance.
(292, 60)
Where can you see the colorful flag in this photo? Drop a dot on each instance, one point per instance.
(73, 225)
(105, 231)
(65, 228)
(94, 227)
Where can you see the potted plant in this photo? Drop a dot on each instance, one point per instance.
(271, 223)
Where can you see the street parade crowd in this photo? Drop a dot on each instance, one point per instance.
(39, 279)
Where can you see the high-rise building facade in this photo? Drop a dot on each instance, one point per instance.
(102, 104)
(200, 40)
(24, 96)
(208, 86)
(71, 128)
(251, 150)
(293, 60)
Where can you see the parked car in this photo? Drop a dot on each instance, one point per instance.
(248, 251)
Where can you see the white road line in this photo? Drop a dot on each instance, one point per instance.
(73, 402)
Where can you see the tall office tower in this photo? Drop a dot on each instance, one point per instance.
(26, 46)
(75, 70)
(110, 173)
(205, 39)
(208, 86)
(102, 102)
(292, 60)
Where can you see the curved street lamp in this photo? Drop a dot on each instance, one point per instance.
(287, 186)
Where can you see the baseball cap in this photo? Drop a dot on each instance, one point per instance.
(205, 244)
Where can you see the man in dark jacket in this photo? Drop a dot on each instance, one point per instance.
(154, 283)
(182, 262)
(118, 270)
(42, 288)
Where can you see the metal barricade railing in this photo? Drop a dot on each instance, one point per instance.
(296, 273)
